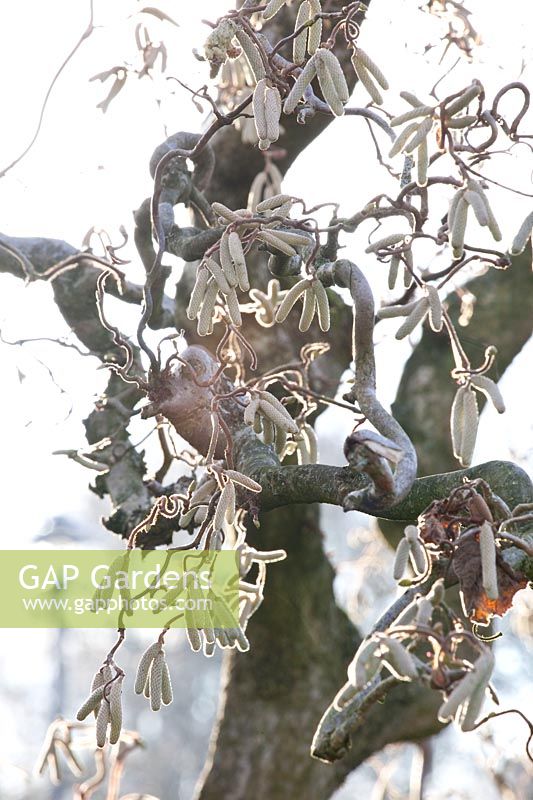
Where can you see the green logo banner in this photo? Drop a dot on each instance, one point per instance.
(111, 589)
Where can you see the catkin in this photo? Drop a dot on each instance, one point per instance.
(195, 640)
(332, 81)
(234, 311)
(521, 239)
(276, 201)
(166, 686)
(314, 35)
(401, 558)
(470, 425)
(489, 574)
(250, 411)
(463, 100)
(416, 316)
(422, 163)
(144, 665)
(278, 418)
(459, 694)
(453, 207)
(300, 85)
(366, 80)
(299, 44)
(322, 305)
(412, 99)
(419, 111)
(272, 8)
(417, 553)
(459, 228)
(490, 390)
(435, 309)
(91, 703)
(491, 221)
(217, 273)
(198, 293)
(457, 420)
(102, 721)
(388, 312)
(225, 507)
(387, 241)
(373, 68)
(476, 202)
(115, 710)
(205, 317)
(421, 133)
(290, 299)
(226, 261)
(399, 661)
(156, 681)
(363, 665)
(310, 437)
(276, 242)
(292, 237)
(258, 105)
(394, 265)
(243, 480)
(402, 139)
(252, 54)
(308, 310)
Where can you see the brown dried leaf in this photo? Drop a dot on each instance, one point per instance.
(477, 606)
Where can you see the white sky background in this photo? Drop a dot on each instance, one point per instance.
(91, 169)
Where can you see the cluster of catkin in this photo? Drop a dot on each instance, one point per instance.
(464, 417)
(398, 246)
(414, 137)
(429, 306)
(369, 74)
(153, 677)
(324, 64)
(471, 196)
(269, 417)
(466, 699)
(209, 637)
(315, 302)
(411, 549)
(378, 651)
(219, 277)
(105, 701)
(225, 270)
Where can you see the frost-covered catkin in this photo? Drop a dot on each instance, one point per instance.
(435, 309)
(364, 665)
(522, 237)
(490, 390)
(91, 703)
(489, 573)
(398, 660)
(417, 553)
(322, 305)
(156, 681)
(115, 710)
(102, 721)
(144, 666)
(166, 686)
(416, 316)
(400, 559)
